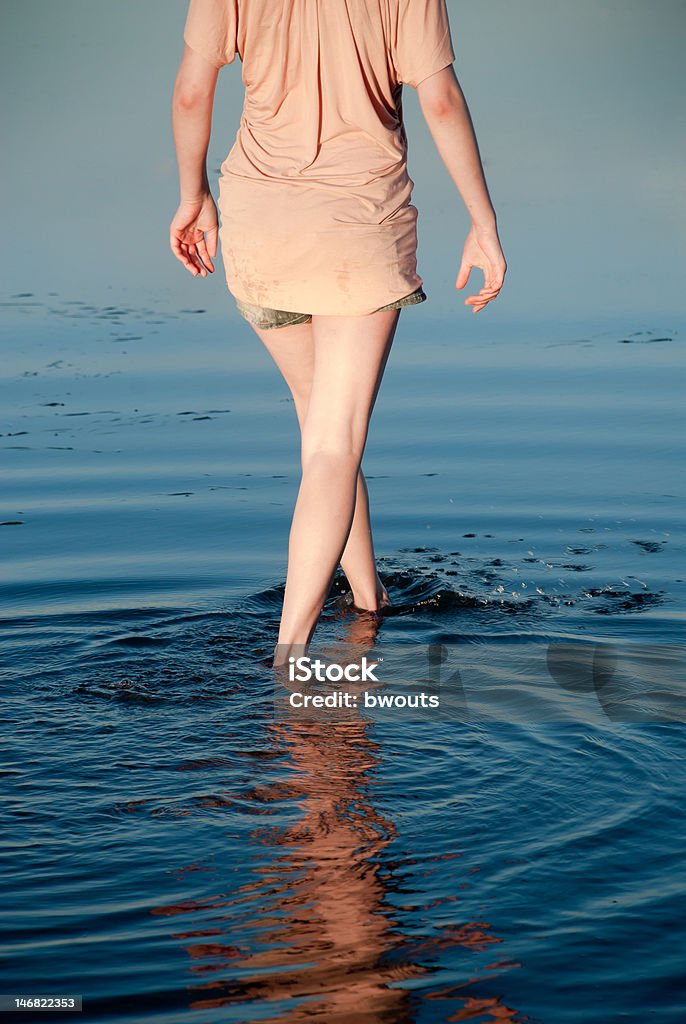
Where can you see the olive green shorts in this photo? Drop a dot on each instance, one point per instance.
(263, 317)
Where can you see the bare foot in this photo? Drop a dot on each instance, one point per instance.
(383, 601)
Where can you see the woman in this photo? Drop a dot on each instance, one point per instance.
(319, 235)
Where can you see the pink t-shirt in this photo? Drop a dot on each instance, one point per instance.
(314, 195)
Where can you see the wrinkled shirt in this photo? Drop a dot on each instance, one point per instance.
(314, 194)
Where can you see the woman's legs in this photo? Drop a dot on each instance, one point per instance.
(292, 349)
(358, 560)
(350, 355)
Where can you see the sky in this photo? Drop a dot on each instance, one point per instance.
(578, 110)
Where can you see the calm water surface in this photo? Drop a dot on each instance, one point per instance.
(175, 852)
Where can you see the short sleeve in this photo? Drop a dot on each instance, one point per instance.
(210, 30)
(423, 44)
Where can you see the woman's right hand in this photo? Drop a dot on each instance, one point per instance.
(482, 249)
(193, 234)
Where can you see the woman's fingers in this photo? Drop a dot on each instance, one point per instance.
(212, 239)
(194, 261)
(482, 250)
(482, 298)
(195, 255)
(463, 273)
(485, 293)
(187, 260)
(175, 246)
(203, 255)
(493, 282)
(180, 250)
(186, 254)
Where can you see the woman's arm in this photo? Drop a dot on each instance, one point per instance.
(447, 116)
(194, 229)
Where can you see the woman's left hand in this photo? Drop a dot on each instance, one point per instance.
(193, 235)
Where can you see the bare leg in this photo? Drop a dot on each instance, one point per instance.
(292, 349)
(358, 560)
(350, 355)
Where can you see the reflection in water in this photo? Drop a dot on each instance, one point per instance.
(323, 926)
(311, 932)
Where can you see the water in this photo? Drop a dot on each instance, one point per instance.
(173, 850)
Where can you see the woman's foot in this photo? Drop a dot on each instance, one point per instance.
(382, 601)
